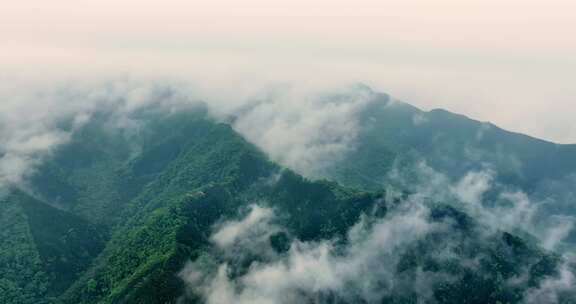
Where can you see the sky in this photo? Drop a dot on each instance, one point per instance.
(511, 62)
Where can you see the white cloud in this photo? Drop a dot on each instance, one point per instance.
(314, 270)
(365, 267)
(37, 117)
(548, 291)
(419, 119)
(305, 131)
(433, 54)
(472, 187)
(255, 224)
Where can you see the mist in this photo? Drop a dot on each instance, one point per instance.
(306, 130)
(288, 151)
(38, 117)
(510, 62)
(364, 268)
(303, 128)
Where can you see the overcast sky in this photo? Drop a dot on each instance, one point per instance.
(512, 62)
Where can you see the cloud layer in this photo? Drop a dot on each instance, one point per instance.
(305, 130)
(365, 268)
(38, 117)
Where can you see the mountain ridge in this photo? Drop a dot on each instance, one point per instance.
(160, 208)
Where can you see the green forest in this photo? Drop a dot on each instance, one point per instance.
(114, 217)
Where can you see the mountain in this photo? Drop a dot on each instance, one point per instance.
(396, 135)
(44, 249)
(391, 131)
(182, 209)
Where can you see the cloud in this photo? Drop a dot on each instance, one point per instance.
(551, 290)
(37, 117)
(29, 129)
(364, 268)
(472, 187)
(512, 210)
(249, 234)
(312, 270)
(304, 130)
(443, 54)
(419, 119)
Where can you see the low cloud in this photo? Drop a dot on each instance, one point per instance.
(365, 267)
(304, 130)
(551, 290)
(313, 271)
(419, 119)
(247, 234)
(38, 117)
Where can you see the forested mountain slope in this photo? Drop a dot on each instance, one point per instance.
(394, 131)
(178, 206)
(394, 136)
(43, 249)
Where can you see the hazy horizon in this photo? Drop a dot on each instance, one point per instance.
(507, 62)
